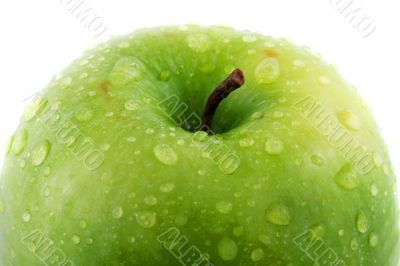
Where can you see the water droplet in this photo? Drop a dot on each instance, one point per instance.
(26, 216)
(40, 153)
(299, 63)
(324, 80)
(84, 75)
(46, 171)
(317, 160)
(374, 190)
(267, 71)
(126, 70)
(249, 38)
(149, 130)
(227, 249)
(22, 163)
(317, 232)
(131, 139)
(164, 75)
(181, 219)
(198, 42)
(274, 146)
(165, 154)
(246, 142)
(354, 244)
(238, 230)
(105, 146)
(341, 232)
(150, 200)
(269, 44)
(373, 239)
(76, 239)
(132, 239)
(266, 240)
(224, 206)
(83, 224)
(34, 109)
(84, 115)
(66, 82)
(46, 192)
(257, 255)
(20, 141)
(202, 172)
(146, 219)
(362, 222)
(131, 105)
(207, 68)
(89, 241)
(123, 45)
(257, 116)
(277, 114)
(278, 214)
(9, 144)
(349, 120)
(83, 62)
(117, 212)
(167, 187)
(2, 207)
(347, 178)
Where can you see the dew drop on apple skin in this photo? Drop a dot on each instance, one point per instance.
(198, 42)
(257, 116)
(374, 190)
(146, 219)
(277, 213)
(249, 38)
(76, 239)
(20, 142)
(324, 80)
(26, 216)
(117, 212)
(224, 206)
(227, 249)
(65, 82)
(165, 154)
(274, 146)
(150, 200)
(167, 187)
(298, 63)
(267, 71)
(83, 224)
(164, 75)
(257, 255)
(373, 240)
(131, 105)
(246, 142)
(9, 144)
(34, 109)
(317, 160)
(84, 115)
(350, 120)
(354, 244)
(347, 178)
(126, 70)
(362, 222)
(40, 153)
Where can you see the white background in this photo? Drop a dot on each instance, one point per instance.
(39, 38)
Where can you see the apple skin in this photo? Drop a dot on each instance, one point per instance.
(113, 203)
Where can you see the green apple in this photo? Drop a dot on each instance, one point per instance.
(115, 164)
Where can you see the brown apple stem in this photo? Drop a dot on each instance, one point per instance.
(234, 81)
